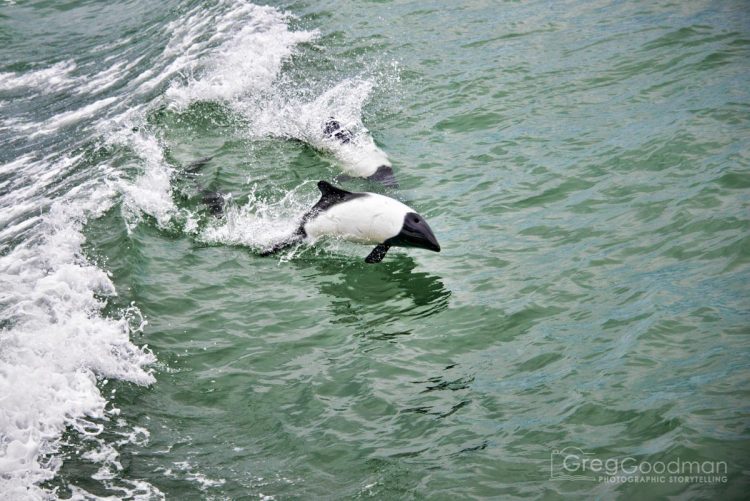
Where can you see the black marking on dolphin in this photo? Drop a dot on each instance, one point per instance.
(333, 129)
(330, 195)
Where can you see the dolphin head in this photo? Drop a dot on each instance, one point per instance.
(384, 175)
(415, 232)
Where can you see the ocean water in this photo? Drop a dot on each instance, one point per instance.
(585, 331)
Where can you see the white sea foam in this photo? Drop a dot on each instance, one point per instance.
(260, 223)
(203, 481)
(247, 51)
(64, 119)
(61, 77)
(151, 192)
(106, 78)
(46, 80)
(25, 195)
(70, 117)
(55, 343)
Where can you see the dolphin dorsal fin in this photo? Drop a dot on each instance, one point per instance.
(330, 191)
(330, 196)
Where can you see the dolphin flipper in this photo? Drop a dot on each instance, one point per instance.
(377, 254)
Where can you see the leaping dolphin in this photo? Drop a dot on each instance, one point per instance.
(366, 218)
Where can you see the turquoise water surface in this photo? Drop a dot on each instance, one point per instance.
(584, 165)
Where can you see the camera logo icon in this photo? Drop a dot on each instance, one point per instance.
(570, 463)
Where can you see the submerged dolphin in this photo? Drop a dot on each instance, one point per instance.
(366, 218)
(360, 156)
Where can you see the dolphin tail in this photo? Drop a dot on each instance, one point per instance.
(214, 200)
(284, 244)
(196, 165)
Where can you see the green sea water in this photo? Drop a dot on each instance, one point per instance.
(584, 165)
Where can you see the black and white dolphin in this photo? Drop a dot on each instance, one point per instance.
(359, 155)
(366, 218)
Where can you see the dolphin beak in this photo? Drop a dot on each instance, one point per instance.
(432, 242)
(421, 235)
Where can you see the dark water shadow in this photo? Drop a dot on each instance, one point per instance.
(373, 296)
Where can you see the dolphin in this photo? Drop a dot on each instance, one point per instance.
(367, 218)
